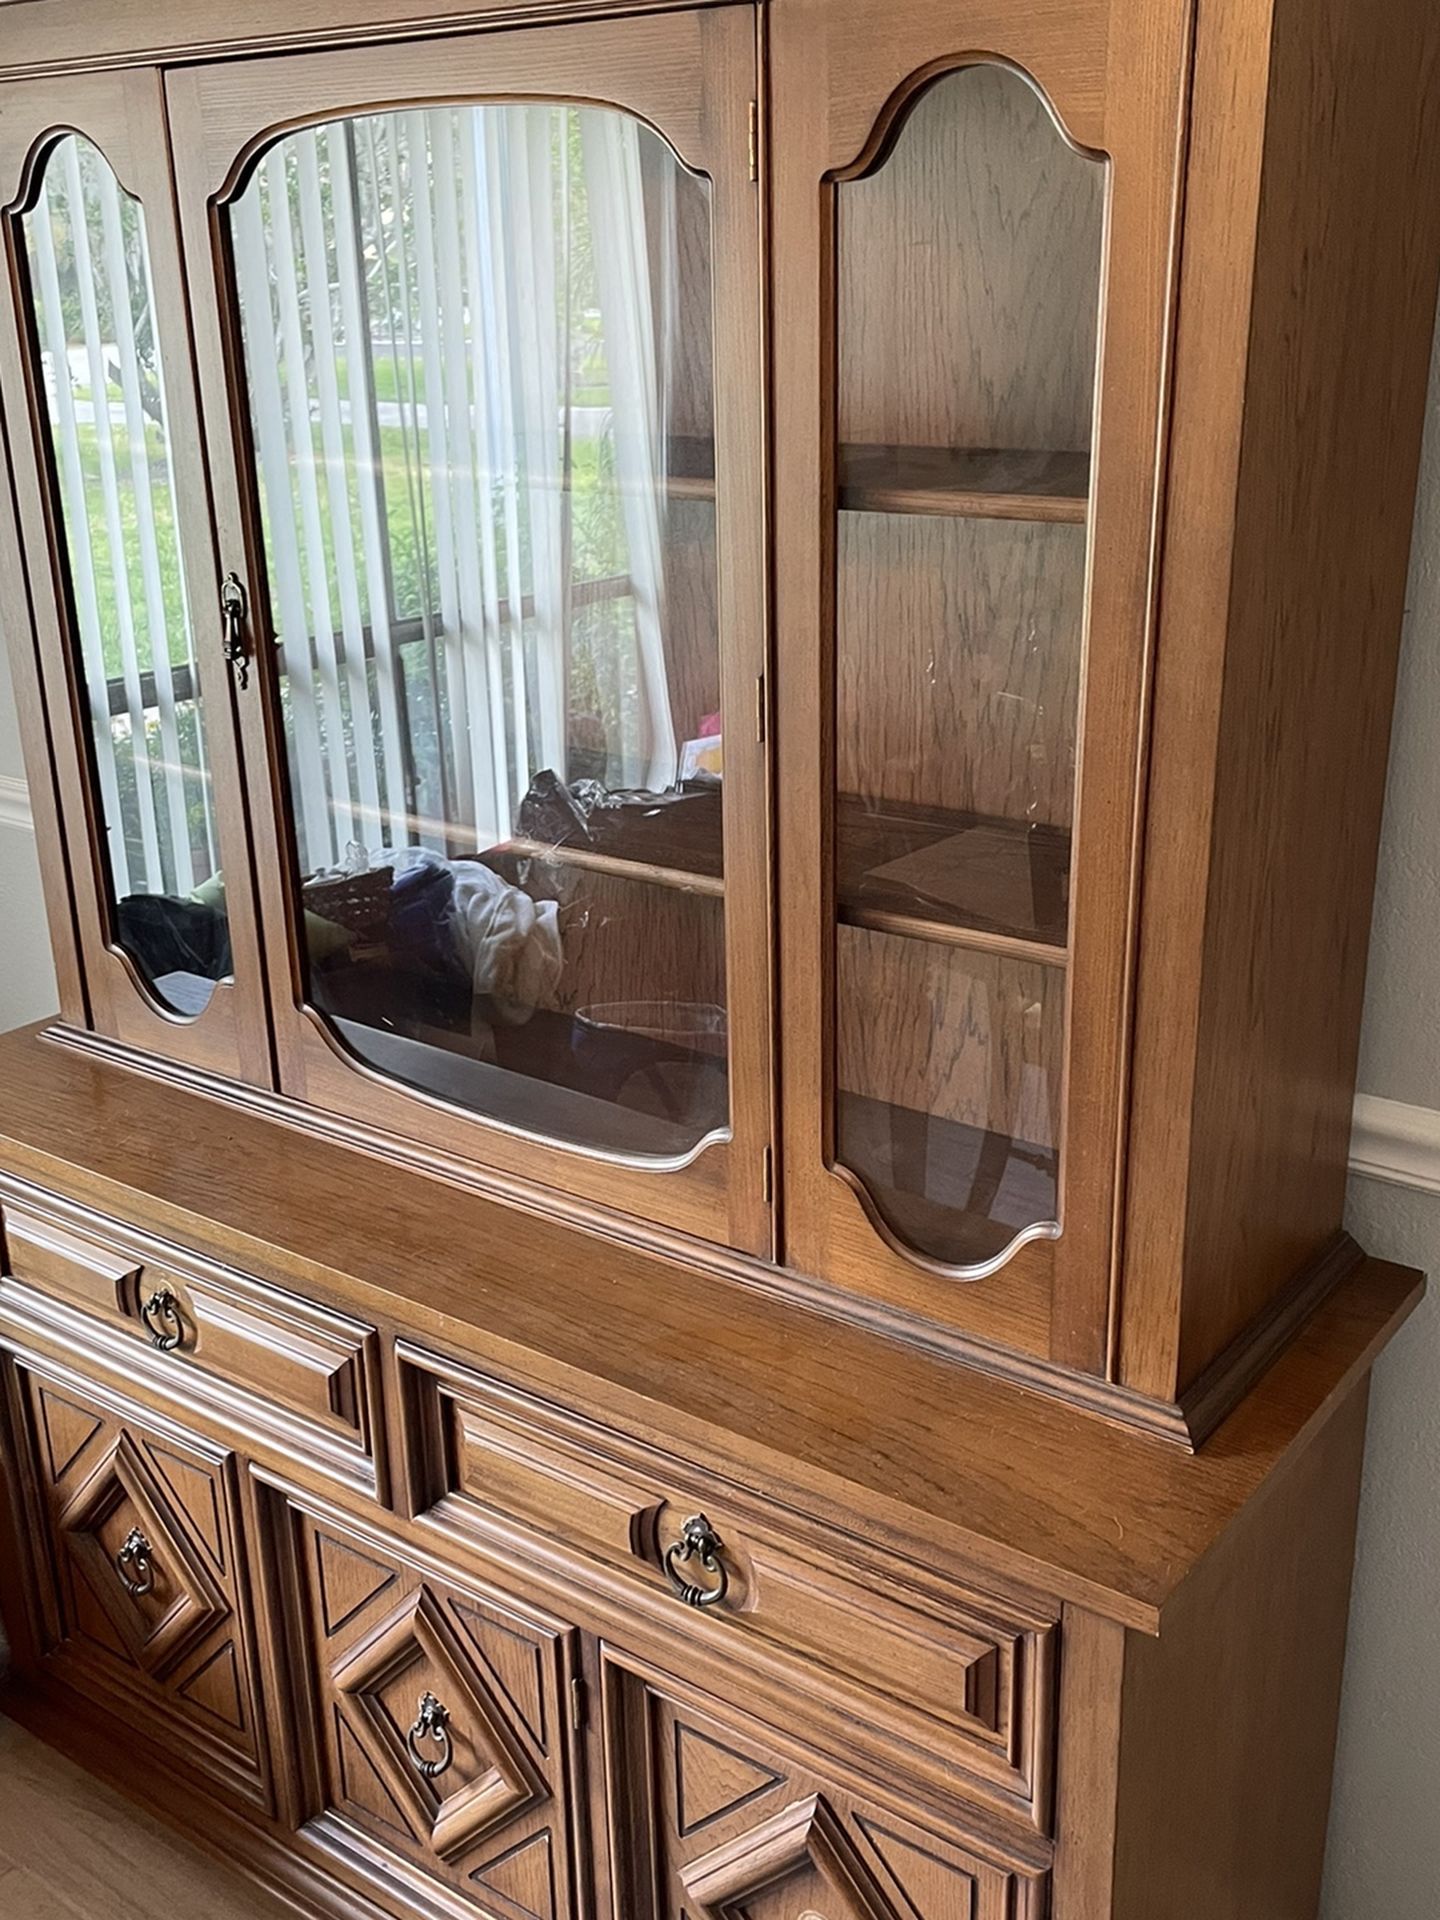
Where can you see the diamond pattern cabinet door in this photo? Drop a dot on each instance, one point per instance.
(711, 1820)
(445, 1748)
(142, 1603)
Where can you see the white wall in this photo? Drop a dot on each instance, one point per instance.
(1384, 1861)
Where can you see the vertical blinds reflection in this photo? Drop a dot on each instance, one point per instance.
(105, 399)
(455, 335)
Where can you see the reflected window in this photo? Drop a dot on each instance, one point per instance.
(104, 396)
(478, 347)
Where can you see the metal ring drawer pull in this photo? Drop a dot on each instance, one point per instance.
(134, 1565)
(161, 1315)
(698, 1541)
(432, 1722)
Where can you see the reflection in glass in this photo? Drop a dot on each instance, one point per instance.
(89, 270)
(968, 302)
(478, 351)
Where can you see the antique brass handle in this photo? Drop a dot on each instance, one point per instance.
(232, 619)
(134, 1565)
(698, 1541)
(161, 1314)
(432, 1723)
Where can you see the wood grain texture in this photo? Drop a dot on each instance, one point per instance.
(164, 1639)
(987, 484)
(1300, 374)
(43, 37)
(967, 1037)
(72, 1849)
(1229, 1718)
(263, 1355)
(953, 1685)
(741, 1824)
(958, 663)
(968, 274)
(843, 1426)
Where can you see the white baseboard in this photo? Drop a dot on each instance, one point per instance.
(1391, 1141)
(1396, 1142)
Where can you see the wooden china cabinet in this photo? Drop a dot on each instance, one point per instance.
(706, 692)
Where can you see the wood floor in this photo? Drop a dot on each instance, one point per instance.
(71, 1849)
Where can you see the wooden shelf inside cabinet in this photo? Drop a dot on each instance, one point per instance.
(961, 879)
(974, 483)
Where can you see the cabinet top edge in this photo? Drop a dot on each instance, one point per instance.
(46, 38)
(831, 1419)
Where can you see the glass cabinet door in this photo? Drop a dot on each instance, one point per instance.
(478, 346)
(966, 631)
(114, 490)
(968, 269)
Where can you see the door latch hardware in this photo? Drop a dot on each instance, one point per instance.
(232, 616)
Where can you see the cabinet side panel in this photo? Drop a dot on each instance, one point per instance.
(1242, 1119)
(1340, 350)
(1229, 1718)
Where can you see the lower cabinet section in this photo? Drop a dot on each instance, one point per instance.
(441, 1760)
(713, 1820)
(408, 1729)
(136, 1558)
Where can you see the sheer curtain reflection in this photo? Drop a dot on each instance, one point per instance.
(454, 355)
(105, 399)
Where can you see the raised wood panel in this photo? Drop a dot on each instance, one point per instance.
(144, 1610)
(308, 1369)
(488, 1829)
(958, 663)
(977, 175)
(739, 1830)
(957, 1683)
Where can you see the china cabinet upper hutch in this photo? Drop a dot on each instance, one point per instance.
(706, 692)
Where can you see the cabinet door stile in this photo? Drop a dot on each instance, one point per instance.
(115, 499)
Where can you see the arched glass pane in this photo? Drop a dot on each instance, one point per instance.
(969, 274)
(478, 346)
(99, 354)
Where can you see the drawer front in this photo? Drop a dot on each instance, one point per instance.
(137, 1557)
(960, 1683)
(712, 1819)
(307, 1363)
(443, 1750)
